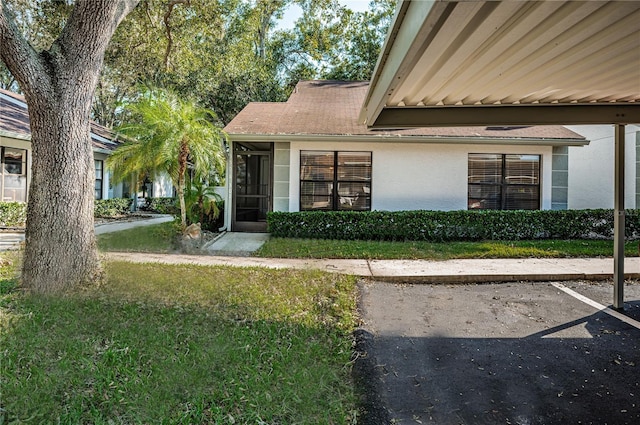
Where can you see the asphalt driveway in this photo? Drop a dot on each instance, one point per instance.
(523, 353)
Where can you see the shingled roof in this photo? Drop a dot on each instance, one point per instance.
(331, 108)
(14, 122)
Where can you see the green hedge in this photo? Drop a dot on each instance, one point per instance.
(450, 225)
(13, 214)
(162, 205)
(112, 207)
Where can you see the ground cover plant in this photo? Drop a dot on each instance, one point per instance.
(180, 345)
(13, 214)
(324, 248)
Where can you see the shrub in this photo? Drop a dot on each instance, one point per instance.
(162, 206)
(450, 225)
(111, 207)
(13, 214)
(204, 205)
(213, 224)
(207, 221)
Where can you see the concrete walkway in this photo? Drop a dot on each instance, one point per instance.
(12, 240)
(236, 244)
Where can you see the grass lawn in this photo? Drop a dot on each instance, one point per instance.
(321, 248)
(160, 238)
(155, 238)
(180, 345)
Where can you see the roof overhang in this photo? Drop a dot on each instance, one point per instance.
(315, 138)
(459, 63)
(14, 135)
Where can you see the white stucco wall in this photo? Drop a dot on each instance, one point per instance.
(162, 186)
(591, 168)
(410, 176)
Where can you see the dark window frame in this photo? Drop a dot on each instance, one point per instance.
(504, 185)
(23, 164)
(99, 181)
(335, 181)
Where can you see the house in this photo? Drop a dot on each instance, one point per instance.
(15, 156)
(313, 153)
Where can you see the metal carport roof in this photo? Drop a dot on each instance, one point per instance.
(458, 63)
(484, 56)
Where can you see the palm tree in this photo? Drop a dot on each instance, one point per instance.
(169, 135)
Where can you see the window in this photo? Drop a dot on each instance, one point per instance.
(335, 180)
(14, 175)
(99, 173)
(504, 182)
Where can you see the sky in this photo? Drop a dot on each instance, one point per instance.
(294, 12)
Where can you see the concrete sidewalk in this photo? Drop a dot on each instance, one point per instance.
(233, 249)
(10, 240)
(117, 226)
(417, 271)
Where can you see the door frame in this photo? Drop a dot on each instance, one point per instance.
(251, 226)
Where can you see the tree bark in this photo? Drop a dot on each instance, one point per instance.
(58, 84)
(167, 25)
(60, 250)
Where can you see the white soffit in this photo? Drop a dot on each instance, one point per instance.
(458, 63)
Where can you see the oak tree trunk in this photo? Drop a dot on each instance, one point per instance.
(60, 250)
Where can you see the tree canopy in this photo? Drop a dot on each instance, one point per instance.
(222, 53)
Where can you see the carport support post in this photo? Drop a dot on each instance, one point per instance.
(618, 220)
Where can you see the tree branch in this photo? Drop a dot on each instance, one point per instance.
(24, 63)
(148, 13)
(88, 38)
(167, 18)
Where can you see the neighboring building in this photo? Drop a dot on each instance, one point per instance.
(311, 153)
(590, 176)
(15, 156)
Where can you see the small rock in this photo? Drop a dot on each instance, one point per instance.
(193, 231)
(191, 238)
